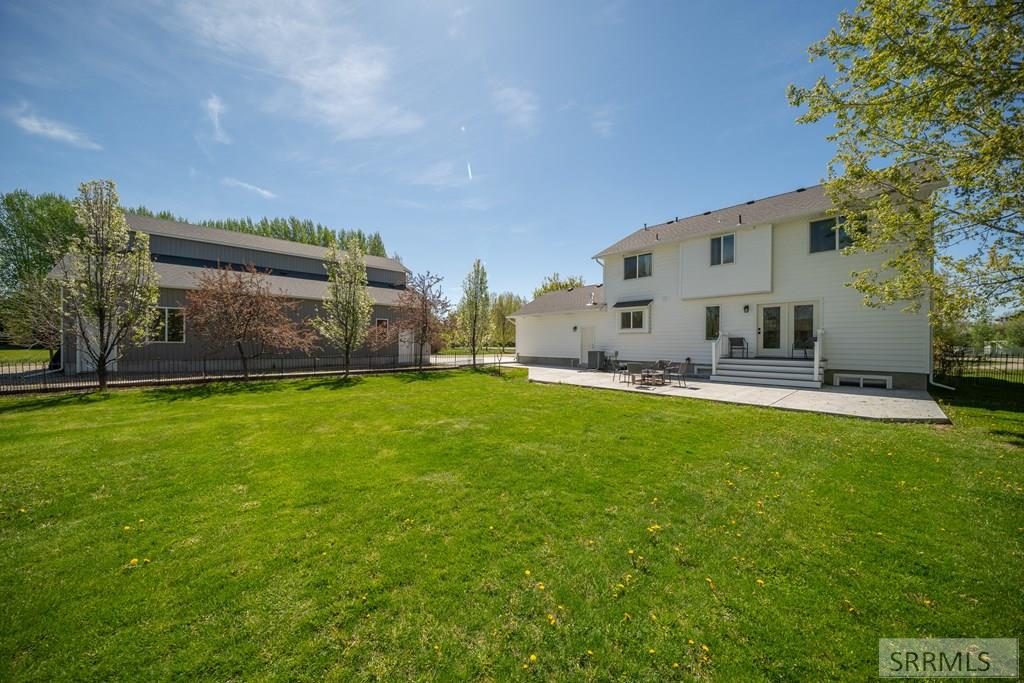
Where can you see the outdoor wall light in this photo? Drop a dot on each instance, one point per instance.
(746, 308)
(574, 327)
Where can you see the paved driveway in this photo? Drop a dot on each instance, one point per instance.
(895, 405)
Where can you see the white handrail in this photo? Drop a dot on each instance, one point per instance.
(714, 354)
(819, 342)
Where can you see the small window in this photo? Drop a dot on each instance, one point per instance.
(382, 324)
(636, 266)
(723, 249)
(631, 320)
(169, 326)
(825, 237)
(712, 320)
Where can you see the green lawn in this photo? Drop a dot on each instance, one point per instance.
(9, 355)
(453, 525)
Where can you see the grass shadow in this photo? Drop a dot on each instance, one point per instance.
(333, 382)
(192, 392)
(14, 403)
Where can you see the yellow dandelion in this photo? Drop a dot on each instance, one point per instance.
(127, 528)
(134, 562)
(690, 641)
(526, 666)
(626, 616)
(590, 653)
(651, 651)
(540, 585)
(705, 647)
(760, 582)
(675, 665)
(145, 560)
(526, 572)
(141, 520)
(630, 551)
(533, 658)
(22, 510)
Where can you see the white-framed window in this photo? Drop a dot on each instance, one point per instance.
(382, 324)
(636, 266)
(723, 249)
(634, 320)
(169, 326)
(825, 237)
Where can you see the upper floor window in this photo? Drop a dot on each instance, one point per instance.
(169, 325)
(825, 237)
(723, 249)
(636, 266)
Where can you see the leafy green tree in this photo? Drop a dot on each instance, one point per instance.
(344, 318)
(502, 306)
(1014, 330)
(933, 89)
(34, 232)
(554, 282)
(110, 286)
(31, 313)
(474, 311)
(375, 245)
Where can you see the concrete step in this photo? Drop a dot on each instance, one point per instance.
(773, 374)
(794, 362)
(764, 367)
(769, 381)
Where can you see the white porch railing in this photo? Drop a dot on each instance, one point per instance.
(716, 352)
(819, 344)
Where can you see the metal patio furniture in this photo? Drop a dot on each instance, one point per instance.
(634, 371)
(737, 344)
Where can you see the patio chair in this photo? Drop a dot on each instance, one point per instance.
(613, 365)
(634, 370)
(678, 370)
(737, 344)
(804, 344)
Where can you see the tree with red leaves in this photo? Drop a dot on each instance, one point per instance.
(238, 308)
(421, 310)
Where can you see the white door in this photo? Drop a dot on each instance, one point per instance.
(771, 330)
(586, 343)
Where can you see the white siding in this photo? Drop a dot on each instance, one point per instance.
(751, 272)
(552, 336)
(856, 337)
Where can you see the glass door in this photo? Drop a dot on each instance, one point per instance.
(803, 330)
(769, 331)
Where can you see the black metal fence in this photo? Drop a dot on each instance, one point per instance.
(30, 376)
(966, 365)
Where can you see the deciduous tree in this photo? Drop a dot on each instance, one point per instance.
(238, 309)
(35, 231)
(344, 317)
(422, 307)
(474, 311)
(110, 287)
(928, 90)
(502, 306)
(32, 315)
(555, 282)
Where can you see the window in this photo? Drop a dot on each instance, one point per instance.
(712, 321)
(169, 326)
(723, 249)
(825, 237)
(382, 324)
(631, 320)
(636, 266)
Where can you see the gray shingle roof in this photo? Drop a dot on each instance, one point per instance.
(198, 233)
(564, 300)
(802, 202)
(174, 276)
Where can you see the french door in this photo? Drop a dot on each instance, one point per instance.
(786, 330)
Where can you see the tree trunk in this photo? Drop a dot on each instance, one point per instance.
(101, 372)
(346, 361)
(245, 361)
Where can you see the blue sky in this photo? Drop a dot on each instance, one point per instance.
(528, 134)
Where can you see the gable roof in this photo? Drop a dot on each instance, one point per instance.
(801, 202)
(565, 301)
(199, 233)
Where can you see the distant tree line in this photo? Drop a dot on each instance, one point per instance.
(292, 229)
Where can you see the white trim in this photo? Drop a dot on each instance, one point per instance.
(721, 249)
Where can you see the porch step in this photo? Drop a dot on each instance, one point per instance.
(770, 373)
(736, 367)
(787, 362)
(770, 381)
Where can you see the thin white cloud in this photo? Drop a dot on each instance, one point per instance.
(469, 170)
(234, 182)
(330, 74)
(601, 121)
(34, 124)
(214, 108)
(441, 175)
(518, 105)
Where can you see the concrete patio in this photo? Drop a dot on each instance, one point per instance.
(890, 405)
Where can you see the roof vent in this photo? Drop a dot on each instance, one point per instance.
(707, 213)
(751, 201)
(800, 189)
(570, 289)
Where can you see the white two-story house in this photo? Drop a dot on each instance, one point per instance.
(751, 293)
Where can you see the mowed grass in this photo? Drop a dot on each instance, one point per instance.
(24, 355)
(453, 525)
